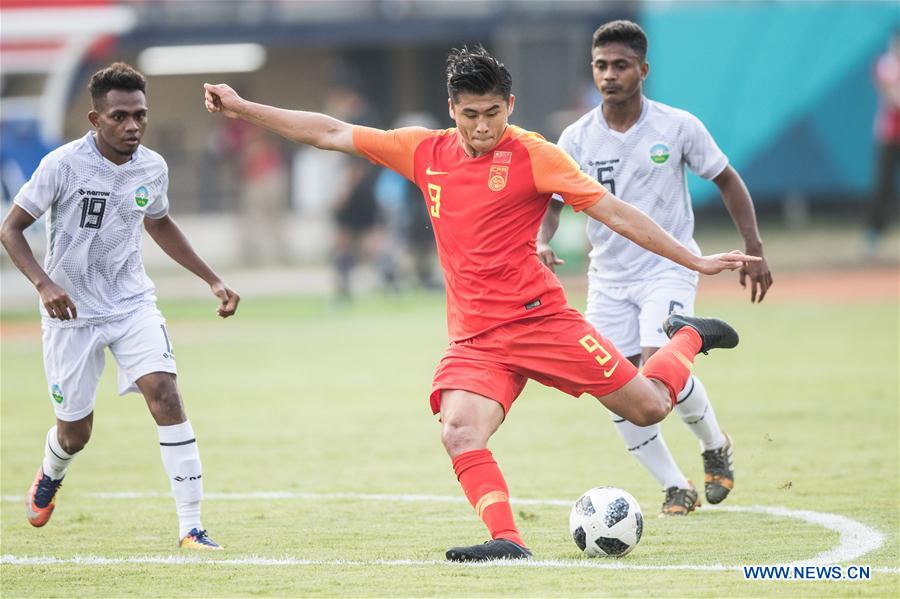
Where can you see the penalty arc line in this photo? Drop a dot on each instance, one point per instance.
(855, 539)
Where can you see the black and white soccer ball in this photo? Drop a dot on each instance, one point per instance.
(606, 521)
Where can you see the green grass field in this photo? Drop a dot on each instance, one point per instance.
(326, 406)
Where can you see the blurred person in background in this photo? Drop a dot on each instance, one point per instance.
(359, 233)
(886, 75)
(487, 185)
(102, 190)
(639, 149)
(263, 194)
(409, 237)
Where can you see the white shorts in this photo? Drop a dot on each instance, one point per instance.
(74, 359)
(631, 316)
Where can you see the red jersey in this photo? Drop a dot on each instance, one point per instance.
(485, 213)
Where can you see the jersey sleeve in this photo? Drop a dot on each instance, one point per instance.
(394, 149)
(701, 153)
(160, 206)
(557, 173)
(39, 193)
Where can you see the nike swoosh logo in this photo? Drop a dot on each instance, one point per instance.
(609, 373)
(428, 171)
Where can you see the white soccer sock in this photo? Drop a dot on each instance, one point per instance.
(181, 459)
(693, 406)
(646, 443)
(56, 460)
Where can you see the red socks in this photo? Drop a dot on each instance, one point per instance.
(672, 363)
(486, 490)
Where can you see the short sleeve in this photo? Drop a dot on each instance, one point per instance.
(39, 193)
(701, 153)
(394, 149)
(557, 173)
(160, 206)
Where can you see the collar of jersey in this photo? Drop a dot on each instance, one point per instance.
(92, 142)
(645, 106)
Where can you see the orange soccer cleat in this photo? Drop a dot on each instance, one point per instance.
(198, 539)
(41, 498)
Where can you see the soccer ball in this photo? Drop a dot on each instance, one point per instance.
(606, 521)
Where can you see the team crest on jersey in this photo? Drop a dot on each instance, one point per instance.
(56, 393)
(502, 157)
(497, 177)
(141, 196)
(659, 153)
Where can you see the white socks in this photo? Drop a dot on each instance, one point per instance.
(56, 461)
(647, 445)
(181, 459)
(693, 406)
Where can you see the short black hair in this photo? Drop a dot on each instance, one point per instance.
(624, 32)
(118, 75)
(475, 71)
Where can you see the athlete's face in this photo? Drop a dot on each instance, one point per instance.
(120, 120)
(481, 120)
(619, 72)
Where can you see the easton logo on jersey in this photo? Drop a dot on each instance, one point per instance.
(141, 196)
(659, 153)
(497, 177)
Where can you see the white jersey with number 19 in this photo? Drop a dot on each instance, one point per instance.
(643, 166)
(97, 211)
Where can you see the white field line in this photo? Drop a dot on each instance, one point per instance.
(252, 560)
(855, 538)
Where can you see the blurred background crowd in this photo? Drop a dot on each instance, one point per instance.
(804, 98)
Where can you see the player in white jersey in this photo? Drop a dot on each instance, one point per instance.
(639, 148)
(100, 191)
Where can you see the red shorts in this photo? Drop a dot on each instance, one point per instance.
(561, 350)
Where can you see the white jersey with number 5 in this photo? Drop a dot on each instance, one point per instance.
(645, 167)
(97, 211)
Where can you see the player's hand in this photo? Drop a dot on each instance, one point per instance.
(229, 297)
(548, 256)
(733, 260)
(221, 98)
(56, 301)
(760, 278)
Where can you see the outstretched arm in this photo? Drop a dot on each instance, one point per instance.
(740, 207)
(54, 298)
(169, 237)
(628, 221)
(546, 233)
(310, 128)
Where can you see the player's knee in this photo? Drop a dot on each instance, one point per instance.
(650, 412)
(74, 441)
(459, 437)
(165, 402)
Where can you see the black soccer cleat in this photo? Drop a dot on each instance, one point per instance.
(714, 333)
(718, 468)
(680, 502)
(488, 551)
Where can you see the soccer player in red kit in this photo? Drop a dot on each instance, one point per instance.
(487, 185)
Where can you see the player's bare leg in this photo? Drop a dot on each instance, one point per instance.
(64, 440)
(468, 420)
(180, 456)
